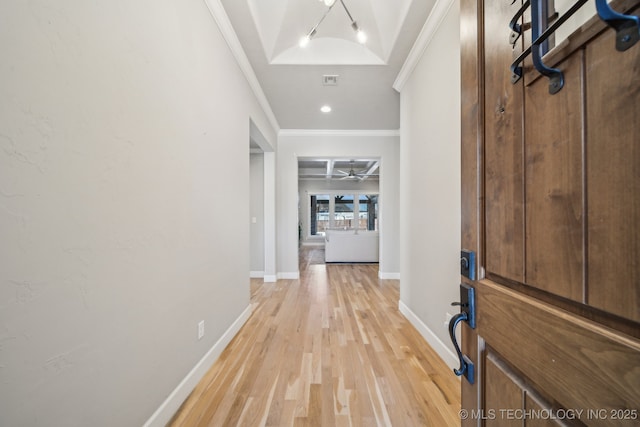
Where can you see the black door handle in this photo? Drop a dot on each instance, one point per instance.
(453, 323)
(467, 314)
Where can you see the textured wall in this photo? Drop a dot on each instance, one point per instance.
(430, 181)
(120, 229)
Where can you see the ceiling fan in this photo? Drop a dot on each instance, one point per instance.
(353, 174)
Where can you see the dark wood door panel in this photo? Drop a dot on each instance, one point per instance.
(503, 394)
(554, 184)
(512, 401)
(551, 187)
(576, 363)
(613, 176)
(541, 414)
(562, 181)
(504, 190)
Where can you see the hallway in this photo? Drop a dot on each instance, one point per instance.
(127, 212)
(329, 349)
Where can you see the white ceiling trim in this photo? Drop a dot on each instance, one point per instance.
(338, 132)
(230, 36)
(437, 15)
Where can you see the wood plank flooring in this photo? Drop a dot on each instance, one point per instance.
(330, 349)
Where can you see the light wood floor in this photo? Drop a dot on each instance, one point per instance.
(330, 349)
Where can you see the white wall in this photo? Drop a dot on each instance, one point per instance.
(380, 144)
(120, 125)
(270, 226)
(256, 211)
(331, 187)
(430, 185)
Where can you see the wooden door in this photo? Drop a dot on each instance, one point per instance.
(551, 206)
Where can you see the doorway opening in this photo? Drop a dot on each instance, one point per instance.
(338, 196)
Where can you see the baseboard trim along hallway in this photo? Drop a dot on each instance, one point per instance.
(436, 343)
(165, 412)
(388, 276)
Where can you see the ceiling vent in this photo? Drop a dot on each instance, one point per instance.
(330, 80)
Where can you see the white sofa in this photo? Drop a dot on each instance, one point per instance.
(351, 246)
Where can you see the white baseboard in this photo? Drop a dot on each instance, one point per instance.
(290, 276)
(267, 278)
(312, 243)
(167, 410)
(436, 343)
(388, 276)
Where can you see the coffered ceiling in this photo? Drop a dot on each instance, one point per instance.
(355, 170)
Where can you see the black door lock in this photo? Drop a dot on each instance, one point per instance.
(468, 264)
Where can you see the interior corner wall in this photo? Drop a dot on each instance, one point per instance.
(430, 186)
(124, 188)
(256, 211)
(291, 146)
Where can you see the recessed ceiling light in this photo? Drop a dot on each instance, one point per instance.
(325, 109)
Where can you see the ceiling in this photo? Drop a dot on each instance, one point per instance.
(292, 76)
(356, 170)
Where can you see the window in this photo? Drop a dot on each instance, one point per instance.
(368, 212)
(319, 214)
(343, 212)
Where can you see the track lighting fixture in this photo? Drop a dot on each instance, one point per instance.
(304, 41)
(361, 36)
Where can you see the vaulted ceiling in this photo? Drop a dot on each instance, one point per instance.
(292, 77)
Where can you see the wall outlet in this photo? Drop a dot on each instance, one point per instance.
(200, 329)
(447, 318)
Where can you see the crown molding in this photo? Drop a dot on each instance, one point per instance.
(230, 36)
(430, 28)
(338, 132)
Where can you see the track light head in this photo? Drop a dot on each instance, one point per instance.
(304, 41)
(360, 35)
